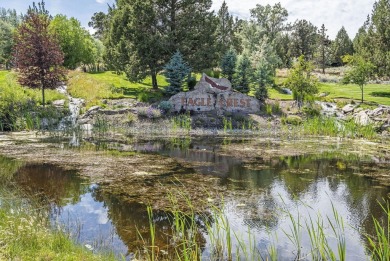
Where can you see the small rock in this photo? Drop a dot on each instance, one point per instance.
(362, 118)
(59, 103)
(89, 247)
(287, 91)
(323, 94)
(348, 108)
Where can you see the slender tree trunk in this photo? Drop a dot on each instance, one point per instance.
(362, 91)
(154, 80)
(43, 95)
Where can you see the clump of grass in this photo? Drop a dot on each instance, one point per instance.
(379, 244)
(182, 121)
(329, 126)
(227, 124)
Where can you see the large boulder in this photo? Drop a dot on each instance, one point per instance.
(212, 94)
(362, 118)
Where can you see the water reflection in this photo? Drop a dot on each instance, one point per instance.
(258, 191)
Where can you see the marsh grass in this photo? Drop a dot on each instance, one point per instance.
(326, 234)
(329, 126)
(26, 234)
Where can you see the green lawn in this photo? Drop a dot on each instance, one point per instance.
(130, 89)
(108, 85)
(337, 91)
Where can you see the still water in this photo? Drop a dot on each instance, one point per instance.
(262, 197)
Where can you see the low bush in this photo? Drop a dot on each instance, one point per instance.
(292, 120)
(165, 106)
(149, 112)
(380, 94)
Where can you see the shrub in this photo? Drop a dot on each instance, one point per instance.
(208, 72)
(165, 106)
(311, 111)
(292, 119)
(149, 112)
(143, 97)
(191, 82)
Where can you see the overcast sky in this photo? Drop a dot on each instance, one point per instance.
(333, 13)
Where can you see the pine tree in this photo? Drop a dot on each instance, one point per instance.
(265, 61)
(225, 30)
(341, 46)
(324, 44)
(176, 70)
(304, 39)
(243, 74)
(228, 64)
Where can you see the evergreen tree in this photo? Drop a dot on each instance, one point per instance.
(324, 44)
(37, 53)
(243, 74)
(301, 81)
(341, 46)
(228, 64)
(264, 61)
(225, 37)
(304, 39)
(176, 70)
(144, 33)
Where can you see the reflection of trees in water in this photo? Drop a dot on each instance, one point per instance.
(8, 167)
(305, 175)
(131, 221)
(50, 186)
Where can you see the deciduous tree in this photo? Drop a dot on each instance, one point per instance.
(359, 73)
(37, 54)
(301, 81)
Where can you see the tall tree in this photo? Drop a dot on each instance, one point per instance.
(228, 64)
(243, 74)
(37, 53)
(76, 42)
(324, 44)
(264, 61)
(225, 30)
(270, 18)
(359, 73)
(304, 39)
(301, 81)
(341, 46)
(9, 20)
(144, 34)
(99, 22)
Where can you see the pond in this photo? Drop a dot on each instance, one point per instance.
(263, 200)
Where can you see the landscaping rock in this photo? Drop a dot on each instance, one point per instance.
(348, 108)
(362, 118)
(59, 103)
